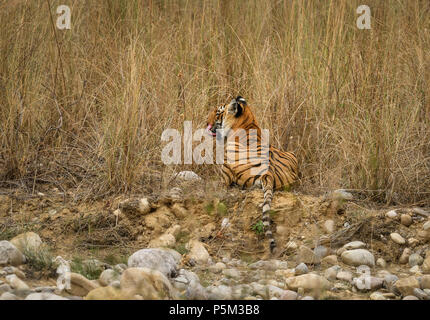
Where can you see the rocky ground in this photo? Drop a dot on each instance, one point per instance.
(195, 246)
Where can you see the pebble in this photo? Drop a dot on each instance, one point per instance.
(330, 260)
(308, 281)
(421, 294)
(108, 276)
(404, 258)
(289, 295)
(221, 292)
(306, 255)
(231, 273)
(410, 297)
(381, 263)
(217, 267)
(391, 214)
(198, 252)
(415, 260)
(397, 238)
(377, 296)
(426, 226)
(329, 226)
(344, 276)
(307, 298)
(332, 272)
(406, 220)
(302, 268)
(358, 257)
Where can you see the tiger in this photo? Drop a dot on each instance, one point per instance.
(277, 170)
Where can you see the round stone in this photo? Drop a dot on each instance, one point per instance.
(406, 220)
(397, 238)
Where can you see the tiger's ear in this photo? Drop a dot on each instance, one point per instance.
(241, 100)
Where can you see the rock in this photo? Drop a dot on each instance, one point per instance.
(331, 273)
(288, 295)
(397, 238)
(14, 270)
(329, 226)
(309, 282)
(146, 283)
(16, 283)
(9, 296)
(407, 285)
(330, 260)
(5, 288)
(426, 265)
(413, 242)
(188, 176)
(389, 281)
(306, 255)
(344, 276)
(404, 258)
(307, 298)
(358, 257)
(184, 279)
(415, 260)
(392, 214)
(426, 226)
(108, 276)
(44, 296)
(377, 296)
(217, 267)
(135, 206)
(367, 282)
(425, 282)
(301, 269)
(231, 273)
(198, 252)
(163, 260)
(381, 263)
(221, 292)
(195, 291)
(165, 240)
(80, 286)
(354, 245)
(27, 241)
(107, 293)
(291, 246)
(320, 252)
(410, 298)
(274, 292)
(421, 294)
(406, 220)
(424, 234)
(10, 255)
(179, 211)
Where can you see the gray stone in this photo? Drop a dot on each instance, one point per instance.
(44, 296)
(307, 298)
(377, 296)
(332, 272)
(10, 255)
(108, 276)
(415, 260)
(404, 258)
(163, 260)
(9, 296)
(410, 298)
(221, 292)
(195, 291)
(16, 283)
(301, 269)
(421, 294)
(381, 263)
(184, 279)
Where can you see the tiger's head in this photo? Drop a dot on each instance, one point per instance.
(214, 121)
(230, 117)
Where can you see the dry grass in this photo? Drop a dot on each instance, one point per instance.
(85, 108)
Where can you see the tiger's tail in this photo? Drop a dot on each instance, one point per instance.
(267, 183)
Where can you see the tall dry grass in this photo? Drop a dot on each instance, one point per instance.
(85, 108)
